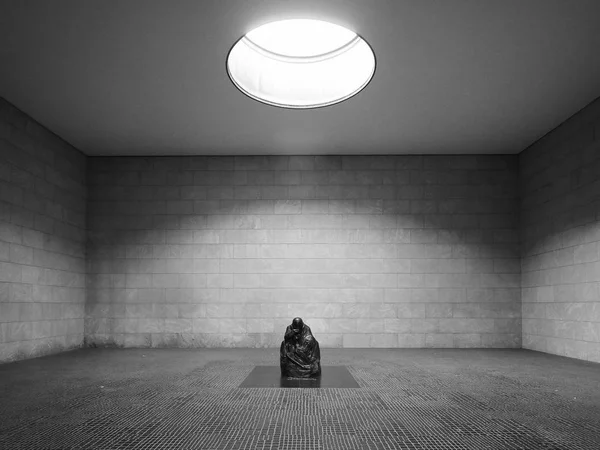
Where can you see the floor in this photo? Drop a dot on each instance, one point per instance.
(407, 399)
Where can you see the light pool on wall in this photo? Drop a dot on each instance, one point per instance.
(301, 63)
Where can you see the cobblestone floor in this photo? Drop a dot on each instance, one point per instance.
(408, 399)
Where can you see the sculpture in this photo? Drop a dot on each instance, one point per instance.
(300, 356)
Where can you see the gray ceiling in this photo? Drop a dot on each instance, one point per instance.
(148, 77)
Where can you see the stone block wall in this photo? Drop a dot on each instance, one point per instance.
(42, 239)
(560, 222)
(377, 251)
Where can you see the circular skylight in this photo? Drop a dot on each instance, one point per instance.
(301, 63)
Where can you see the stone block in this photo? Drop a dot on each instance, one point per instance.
(411, 310)
(395, 296)
(206, 325)
(20, 293)
(466, 310)
(4, 292)
(411, 280)
(164, 280)
(328, 162)
(512, 295)
(439, 310)
(343, 326)
(303, 310)
(355, 340)
(383, 280)
(270, 340)
(382, 310)
(301, 163)
(260, 325)
(138, 281)
(328, 340)
(439, 340)
(391, 206)
(451, 280)
(425, 295)
(500, 280)
(10, 272)
(425, 265)
(369, 206)
(375, 177)
(29, 312)
(279, 311)
(221, 280)
(479, 265)
(246, 310)
(314, 206)
(178, 325)
(342, 206)
(422, 206)
(246, 340)
(137, 340)
(4, 251)
(370, 325)
(220, 310)
(425, 325)
(397, 325)
(248, 193)
(452, 295)
(328, 310)
(411, 340)
(467, 340)
(355, 310)
(192, 310)
(315, 178)
(507, 265)
(19, 331)
(179, 340)
(423, 236)
(9, 312)
(302, 192)
(381, 340)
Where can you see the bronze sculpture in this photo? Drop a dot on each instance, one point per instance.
(300, 356)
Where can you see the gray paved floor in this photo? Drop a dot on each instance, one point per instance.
(408, 399)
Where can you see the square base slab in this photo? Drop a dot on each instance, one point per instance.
(270, 377)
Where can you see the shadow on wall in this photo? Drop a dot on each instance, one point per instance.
(403, 251)
(560, 226)
(42, 239)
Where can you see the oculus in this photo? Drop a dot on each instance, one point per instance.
(301, 63)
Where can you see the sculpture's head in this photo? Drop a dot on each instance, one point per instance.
(297, 324)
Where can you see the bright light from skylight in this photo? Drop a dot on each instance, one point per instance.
(301, 63)
(300, 37)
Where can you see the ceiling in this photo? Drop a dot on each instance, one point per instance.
(148, 77)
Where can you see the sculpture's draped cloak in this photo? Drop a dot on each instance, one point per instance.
(300, 355)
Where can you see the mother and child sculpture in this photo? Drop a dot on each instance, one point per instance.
(300, 356)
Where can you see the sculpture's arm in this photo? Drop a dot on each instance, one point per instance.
(289, 333)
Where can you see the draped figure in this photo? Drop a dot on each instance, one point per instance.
(300, 356)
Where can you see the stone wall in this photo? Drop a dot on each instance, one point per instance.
(42, 239)
(560, 211)
(378, 251)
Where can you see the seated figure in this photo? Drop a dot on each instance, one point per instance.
(300, 356)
